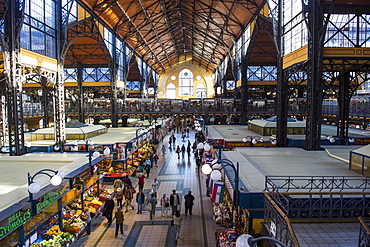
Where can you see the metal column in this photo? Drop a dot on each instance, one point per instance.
(13, 20)
(80, 102)
(343, 104)
(282, 82)
(316, 32)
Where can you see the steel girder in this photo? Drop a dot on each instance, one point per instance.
(12, 25)
(314, 18)
(166, 32)
(342, 77)
(113, 67)
(81, 115)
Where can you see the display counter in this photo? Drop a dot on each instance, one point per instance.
(226, 237)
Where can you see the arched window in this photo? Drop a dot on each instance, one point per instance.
(186, 82)
(171, 91)
(201, 91)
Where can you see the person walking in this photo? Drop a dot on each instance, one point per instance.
(163, 150)
(87, 217)
(173, 140)
(119, 220)
(189, 202)
(188, 149)
(128, 198)
(174, 201)
(177, 218)
(147, 169)
(140, 199)
(108, 210)
(152, 201)
(178, 151)
(117, 184)
(127, 181)
(119, 197)
(155, 187)
(156, 158)
(165, 204)
(141, 181)
(183, 150)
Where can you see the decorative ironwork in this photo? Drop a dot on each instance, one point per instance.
(277, 224)
(364, 235)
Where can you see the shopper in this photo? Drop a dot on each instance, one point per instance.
(128, 198)
(117, 184)
(189, 202)
(155, 187)
(147, 169)
(119, 220)
(88, 221)
(156, 158)
(165, 204)
(152, 201)
(183, 150)
(178, 151)
(108, 209)
(119, 197)
(177, 218)
(174, 201)
(140, 199)
(141, 181)
(173, 140)
(127, 181)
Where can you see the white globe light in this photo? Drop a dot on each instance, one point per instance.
(96, 154)
(216, 175)
(28, 144)
(245, 139)
(76, 143)
(351, 140)
(61, 173)
(206, 169)
(56, 147)
(75, 148)
(91, 143)
(332, 140)
(254, 141)
(56, 180)
(273, 142)
(216, 166)
(242, 240)
(106, 151)
(207, 147)
(200, 145)
(34, 188)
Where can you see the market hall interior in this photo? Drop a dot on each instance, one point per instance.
(182, 175)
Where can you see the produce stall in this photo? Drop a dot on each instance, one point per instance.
(226, 237)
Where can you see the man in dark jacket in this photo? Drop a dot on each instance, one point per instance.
(108, 210)
(189, 202)
(140, 199)
(174, 201)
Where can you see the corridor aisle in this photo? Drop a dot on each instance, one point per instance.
(197, 230)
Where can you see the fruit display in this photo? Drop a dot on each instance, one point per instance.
(61, 239)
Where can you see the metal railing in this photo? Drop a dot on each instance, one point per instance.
(277, 224)
(364, 235)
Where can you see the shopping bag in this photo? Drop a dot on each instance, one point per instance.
(149, 207)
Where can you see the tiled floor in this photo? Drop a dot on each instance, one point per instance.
(172, 173)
